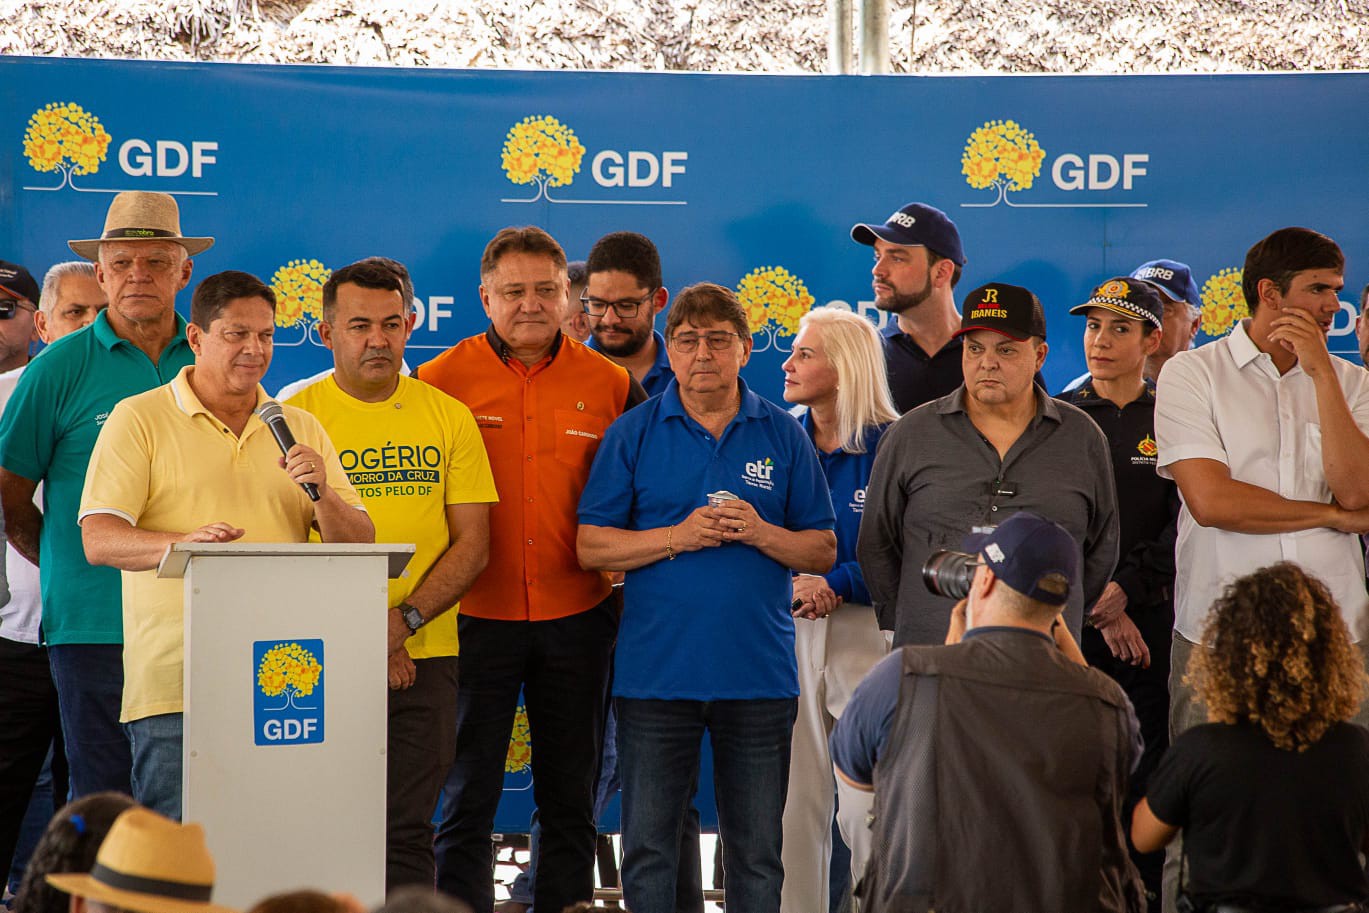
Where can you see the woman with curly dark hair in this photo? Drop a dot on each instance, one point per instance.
(69, 844)
(1272, 795)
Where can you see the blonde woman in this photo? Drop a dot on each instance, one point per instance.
(836, 378)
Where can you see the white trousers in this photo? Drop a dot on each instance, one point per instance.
(833, 654)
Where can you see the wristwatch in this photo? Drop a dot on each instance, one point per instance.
(412, 617)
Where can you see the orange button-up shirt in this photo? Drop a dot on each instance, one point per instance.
(542, 426)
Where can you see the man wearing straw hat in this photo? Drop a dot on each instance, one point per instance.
(46, 435)
(146, 864)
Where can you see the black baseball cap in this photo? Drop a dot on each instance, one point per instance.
(915, 225)
(1134, 298)
(1032, 555)
(18, 281)
(1007, 309)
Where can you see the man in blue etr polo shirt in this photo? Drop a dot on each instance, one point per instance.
(46, 435)
(707, 638)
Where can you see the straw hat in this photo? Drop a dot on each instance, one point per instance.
(149, 864)
(138, 215)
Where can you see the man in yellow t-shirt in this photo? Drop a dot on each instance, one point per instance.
(190, 461)
(416, 456)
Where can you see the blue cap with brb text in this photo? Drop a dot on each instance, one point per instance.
(1175, 279)
(1032, 555)
(915, 225)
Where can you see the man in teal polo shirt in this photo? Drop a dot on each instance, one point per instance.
(46, 435)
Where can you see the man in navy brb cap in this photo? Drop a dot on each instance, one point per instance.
(1183, 305)
(990, 726)
(918, 261)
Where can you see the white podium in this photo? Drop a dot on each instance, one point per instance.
(285, 712)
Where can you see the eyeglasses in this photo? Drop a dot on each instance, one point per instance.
(626, 308)
(718, 341)
(10, 306)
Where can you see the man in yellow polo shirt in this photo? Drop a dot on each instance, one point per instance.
(190, 461)
(416, 456)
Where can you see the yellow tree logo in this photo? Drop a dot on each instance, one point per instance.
(1003, 155)
(543, 151)
(774, 300)
(64, 137)
(299, 297)
(289, 670)
(519, 759)
(1223, 302)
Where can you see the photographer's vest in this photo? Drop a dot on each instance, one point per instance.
(1001, 785)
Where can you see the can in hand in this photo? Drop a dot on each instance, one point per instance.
(718, 498)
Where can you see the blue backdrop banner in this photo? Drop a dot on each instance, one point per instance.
(1056, 183)
(753, 182)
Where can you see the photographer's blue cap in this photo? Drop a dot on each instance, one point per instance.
(1031, 555)
(915, 225)
(1175, 279)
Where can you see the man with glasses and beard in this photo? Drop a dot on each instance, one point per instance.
(623, 294)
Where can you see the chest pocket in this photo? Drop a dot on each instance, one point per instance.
(577, 436)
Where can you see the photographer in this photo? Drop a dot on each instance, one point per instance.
(994, 446)
(1004, 724)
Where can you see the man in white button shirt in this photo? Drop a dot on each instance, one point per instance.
(1264, 432)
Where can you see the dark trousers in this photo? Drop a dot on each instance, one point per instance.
(90, 689)
(658, 753)
(1149, 693)
(421, 746)
(562, 668)
(29, 724)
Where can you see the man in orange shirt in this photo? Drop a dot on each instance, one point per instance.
(534, 619)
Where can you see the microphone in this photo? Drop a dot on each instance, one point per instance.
(273, 415)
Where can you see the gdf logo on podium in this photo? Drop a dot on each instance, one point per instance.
(288, 692)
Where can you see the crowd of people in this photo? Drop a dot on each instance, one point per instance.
(956, 643)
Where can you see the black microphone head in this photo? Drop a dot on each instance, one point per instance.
(269, 411)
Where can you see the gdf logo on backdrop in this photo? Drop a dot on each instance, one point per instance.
(1003, 156)
(542, 151)
(299, 306)
(65, 138)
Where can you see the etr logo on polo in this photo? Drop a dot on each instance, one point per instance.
(759, 472)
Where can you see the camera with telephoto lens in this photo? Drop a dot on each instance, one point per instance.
(948, 573)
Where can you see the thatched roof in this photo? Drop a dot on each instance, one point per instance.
(754, 36)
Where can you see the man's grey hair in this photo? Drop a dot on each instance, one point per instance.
(53, 280)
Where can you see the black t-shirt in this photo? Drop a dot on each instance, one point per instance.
(916, 377)
(1263, 824)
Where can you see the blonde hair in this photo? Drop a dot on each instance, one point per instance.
(853, 346)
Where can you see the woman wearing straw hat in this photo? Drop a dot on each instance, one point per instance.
(147, 864)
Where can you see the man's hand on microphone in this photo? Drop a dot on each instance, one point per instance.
(402, 672)
(213, 532)
(304, 464)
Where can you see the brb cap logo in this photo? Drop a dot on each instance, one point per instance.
(288, 697)
(1004, 156)
(64, 137)
(774, 300)
(542, 151)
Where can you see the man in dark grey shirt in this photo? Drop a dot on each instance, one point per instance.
(993, 447)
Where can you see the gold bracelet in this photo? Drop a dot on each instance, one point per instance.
(669, 552)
